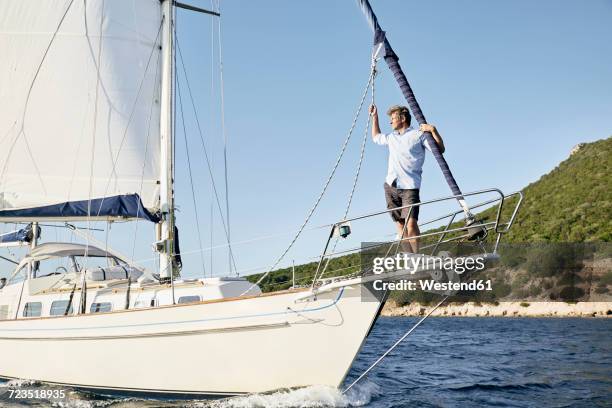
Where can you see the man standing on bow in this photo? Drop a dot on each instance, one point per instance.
(406, 156)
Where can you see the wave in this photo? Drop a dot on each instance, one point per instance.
(307, 397)
(499, 387)
(79, 403)
(18, 383)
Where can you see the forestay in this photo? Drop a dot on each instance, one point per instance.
(79, 106)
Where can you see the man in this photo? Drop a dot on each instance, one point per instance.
(406, 156)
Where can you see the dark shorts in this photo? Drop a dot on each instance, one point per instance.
(397, 197)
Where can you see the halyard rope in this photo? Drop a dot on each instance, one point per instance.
(357, 172)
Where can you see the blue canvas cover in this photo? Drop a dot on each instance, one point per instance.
(22, 235)
(120, 206)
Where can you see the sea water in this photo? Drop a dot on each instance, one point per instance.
(446, 362)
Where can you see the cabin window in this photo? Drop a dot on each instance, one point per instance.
(189, 299)
(32, 309)
(58, 308)
(101, 307)
(142, 303)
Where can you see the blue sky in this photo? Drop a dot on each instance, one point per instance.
(512, 87)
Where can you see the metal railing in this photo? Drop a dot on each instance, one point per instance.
(446, 235)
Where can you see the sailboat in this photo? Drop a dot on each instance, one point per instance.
(86, 134)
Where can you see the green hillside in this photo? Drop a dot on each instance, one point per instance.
(572, 203)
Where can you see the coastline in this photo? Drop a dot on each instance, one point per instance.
(505, 309)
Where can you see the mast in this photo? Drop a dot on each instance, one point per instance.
(34, 241)
(165, 245)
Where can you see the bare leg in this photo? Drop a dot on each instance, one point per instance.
(403, 233)
(413, 231)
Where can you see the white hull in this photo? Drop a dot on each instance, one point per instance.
(232, 346)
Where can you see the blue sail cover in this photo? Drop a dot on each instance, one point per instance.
(120, 206)
(23, 235)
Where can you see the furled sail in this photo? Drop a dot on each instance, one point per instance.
(22, 236)
(79, 109)
(476, 230)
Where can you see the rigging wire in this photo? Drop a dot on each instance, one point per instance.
(9, 260)
(193, 195)
(325, 186)
(8, 132)
(212, 117)
(390, 349)
(224, 134)
(212, 209)
(206, 156)
(357, 172)
(144, 161)
(95, 126)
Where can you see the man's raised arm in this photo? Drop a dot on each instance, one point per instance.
(375, 125)
(426, 127)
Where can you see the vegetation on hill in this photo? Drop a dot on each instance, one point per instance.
(572, 203)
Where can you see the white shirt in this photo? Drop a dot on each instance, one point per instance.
(406, 157)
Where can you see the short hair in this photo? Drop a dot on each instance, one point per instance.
(403, 111)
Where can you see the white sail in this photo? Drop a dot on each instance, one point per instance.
(79, 101)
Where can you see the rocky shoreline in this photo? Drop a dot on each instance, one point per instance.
(505, 309)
